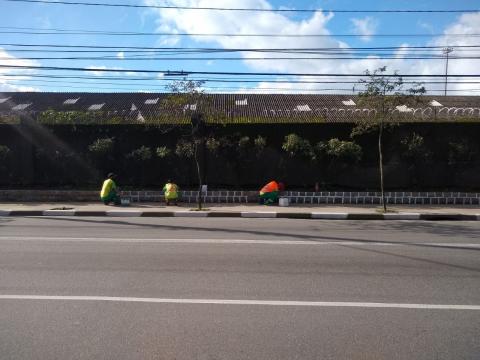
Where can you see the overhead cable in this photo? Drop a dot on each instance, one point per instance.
(54, 31)
(282, 10)
(233, 73)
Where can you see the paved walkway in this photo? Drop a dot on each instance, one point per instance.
(398, 212)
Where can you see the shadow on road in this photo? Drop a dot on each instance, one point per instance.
(414, 258)
(443, 229)
(454, 230)
(451, 229)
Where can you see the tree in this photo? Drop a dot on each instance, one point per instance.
(188, 99)
(384, 93)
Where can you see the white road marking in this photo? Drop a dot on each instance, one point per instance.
(243, 302)
(232, 241)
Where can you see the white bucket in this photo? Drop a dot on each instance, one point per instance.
(283, 202)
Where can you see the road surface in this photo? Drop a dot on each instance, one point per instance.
(176, 288)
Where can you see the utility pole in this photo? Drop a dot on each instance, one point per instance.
(446, 51)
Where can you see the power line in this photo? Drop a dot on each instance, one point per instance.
(211, 79)
(145, 48)
(150, 58)
(82, 3)
(43, 31)
(160, 53)
(175, 50)
(88, 83)
(232, 73)
(263, 89)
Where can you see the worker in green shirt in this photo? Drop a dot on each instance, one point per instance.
(108, 193)
(171, 192)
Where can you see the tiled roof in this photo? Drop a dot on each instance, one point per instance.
(235, 107)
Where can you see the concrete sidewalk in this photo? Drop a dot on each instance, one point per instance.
(347, 212)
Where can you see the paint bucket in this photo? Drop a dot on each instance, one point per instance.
(283, 201)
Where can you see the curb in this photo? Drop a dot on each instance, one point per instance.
(244, 214)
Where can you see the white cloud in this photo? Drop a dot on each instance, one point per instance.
(427, 26)
(465, 24)
(215, 22)
(97, 71)
(185, 21)
(8, 83)
(44, 22)
(6, 86)
(366, 27)
(121, 55)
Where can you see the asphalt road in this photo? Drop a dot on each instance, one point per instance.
(176, 288)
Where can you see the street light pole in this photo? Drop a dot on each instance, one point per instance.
(446, 51)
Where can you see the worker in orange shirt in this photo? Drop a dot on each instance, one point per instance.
(269, 193)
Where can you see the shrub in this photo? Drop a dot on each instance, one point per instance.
(143, 153)
(338, 150)
(295, 145)
(4, 152)
(243, 148)
(244, 142)
(102, 146)
(414, 147)
(185, 149)
(460, 153)
(163, 152)
(212, 145)
(260, 143)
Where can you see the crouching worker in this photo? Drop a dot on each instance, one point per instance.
(171, 192)
(269, 193)
(108, 193)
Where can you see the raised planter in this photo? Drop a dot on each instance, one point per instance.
(243, 197)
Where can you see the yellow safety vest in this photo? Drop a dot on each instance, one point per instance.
(171, 191)
(108, 186)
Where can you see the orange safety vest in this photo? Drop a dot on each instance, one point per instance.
(270, 187)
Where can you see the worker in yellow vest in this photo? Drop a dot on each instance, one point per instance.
(108, 193)
(171, 192)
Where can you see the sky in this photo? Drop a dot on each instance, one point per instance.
(310, 33)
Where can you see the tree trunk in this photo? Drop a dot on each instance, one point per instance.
(199, 173)
(380, 159)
